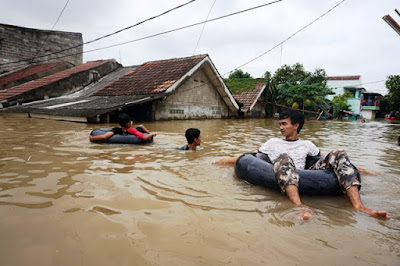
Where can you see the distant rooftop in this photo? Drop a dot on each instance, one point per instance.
(152, 77)
(248, 98)
(27, 72)
(355, 77)
(17, 90)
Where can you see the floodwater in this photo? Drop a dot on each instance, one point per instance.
(66, 201)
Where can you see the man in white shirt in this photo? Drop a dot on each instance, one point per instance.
(290, 154)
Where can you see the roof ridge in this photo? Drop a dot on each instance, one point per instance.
(177, 58)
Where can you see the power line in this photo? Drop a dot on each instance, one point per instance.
(285, 40)
(201, 33)
(173, 30)
(41, 47)
(99, 38)
(372, 82)
(62, 11)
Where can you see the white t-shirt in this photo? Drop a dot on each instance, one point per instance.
(298, 150)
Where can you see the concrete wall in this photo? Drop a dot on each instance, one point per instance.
(258, 110)
(338, 87)
(18, 43)
(196, 98)
(368, 114)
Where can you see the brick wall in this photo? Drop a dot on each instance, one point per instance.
(196, 98)
(18, 43)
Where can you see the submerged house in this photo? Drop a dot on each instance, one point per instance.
(18, 77)
(251, 102)
(370, 104)
(352, 84)
(58, 84)
(179, 88)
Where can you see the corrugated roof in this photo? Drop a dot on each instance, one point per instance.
(248, 98)
(17, 90)
(152, 77)
(354, 77)
(81, 107)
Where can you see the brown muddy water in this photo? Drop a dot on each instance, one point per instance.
(66, 201)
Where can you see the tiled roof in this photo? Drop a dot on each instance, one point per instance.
(26, 72)
(152, 77)
(17, 90)
(355, 77)
(249, 97)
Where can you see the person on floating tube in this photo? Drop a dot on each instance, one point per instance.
(290, 153)
(126, 128)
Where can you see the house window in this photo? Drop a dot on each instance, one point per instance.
(352, 91)
(176, 111)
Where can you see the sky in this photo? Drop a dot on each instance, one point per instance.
(352, 39)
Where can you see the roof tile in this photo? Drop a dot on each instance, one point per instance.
(26, 72)
(247, 98)
(16, 90)
(152, 77)
(354, 77)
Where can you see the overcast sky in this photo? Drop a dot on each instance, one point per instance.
(352, 39)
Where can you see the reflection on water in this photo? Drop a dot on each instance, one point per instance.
(64, 200)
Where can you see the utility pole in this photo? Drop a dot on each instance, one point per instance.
(392, 23)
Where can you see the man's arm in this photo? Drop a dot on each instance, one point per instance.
(364, 171)
(229, 160)
(144, 128)
(145, 137)
(140, 135)
(101, 137)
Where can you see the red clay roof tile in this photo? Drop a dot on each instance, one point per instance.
(26, 72)
(16, 90)
(355, 77)
(152, 77)
(247, 98)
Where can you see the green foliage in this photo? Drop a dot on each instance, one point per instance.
(239, 82)
(306, 89)
(384, 108)
(267, 76)
(289, 74)
(239, 74)
(239, 85)
(393, 86)
(340, 103)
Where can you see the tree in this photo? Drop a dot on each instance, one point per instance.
(270, 95)
(291, 74)
(238, 73)
(393, 86)
(299, 88)
(340, 103)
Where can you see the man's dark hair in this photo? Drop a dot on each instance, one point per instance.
(124, 119)
(294, 116)
(191, 134)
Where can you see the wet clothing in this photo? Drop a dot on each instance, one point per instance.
(184, 148)
(287, 156)
(138, 132)
(298, 150)
(338, 161)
